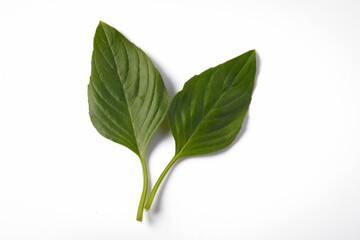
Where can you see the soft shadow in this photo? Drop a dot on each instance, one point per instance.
(157, 200)
(258, 61)
(168, 83)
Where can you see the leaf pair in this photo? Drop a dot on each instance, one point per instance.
(128, 102)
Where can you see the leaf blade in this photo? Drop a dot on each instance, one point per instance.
(208, 113)
(127, 96)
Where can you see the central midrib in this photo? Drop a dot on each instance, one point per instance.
(126, 100)
(178, 155)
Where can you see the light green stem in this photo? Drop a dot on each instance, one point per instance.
(144, 192)
(158, 182)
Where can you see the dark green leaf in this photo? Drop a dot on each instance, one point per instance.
(208, 113)
(127, 97)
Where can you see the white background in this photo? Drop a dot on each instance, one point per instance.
(293, 172)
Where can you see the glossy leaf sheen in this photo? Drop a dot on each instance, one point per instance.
(207, 114)
(127, 97)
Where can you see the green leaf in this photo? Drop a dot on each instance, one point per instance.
(207, 114)
(127, 97)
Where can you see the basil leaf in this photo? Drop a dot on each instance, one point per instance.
(207, 114)
(127, 97)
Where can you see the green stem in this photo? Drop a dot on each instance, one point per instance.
(158, 182)
(144, 192)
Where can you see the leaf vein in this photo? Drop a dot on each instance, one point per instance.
(117, 71)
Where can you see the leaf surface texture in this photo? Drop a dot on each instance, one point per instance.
(207, 114)
(127, 97)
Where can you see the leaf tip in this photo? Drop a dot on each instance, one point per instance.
(252, 54)
(103, 24)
